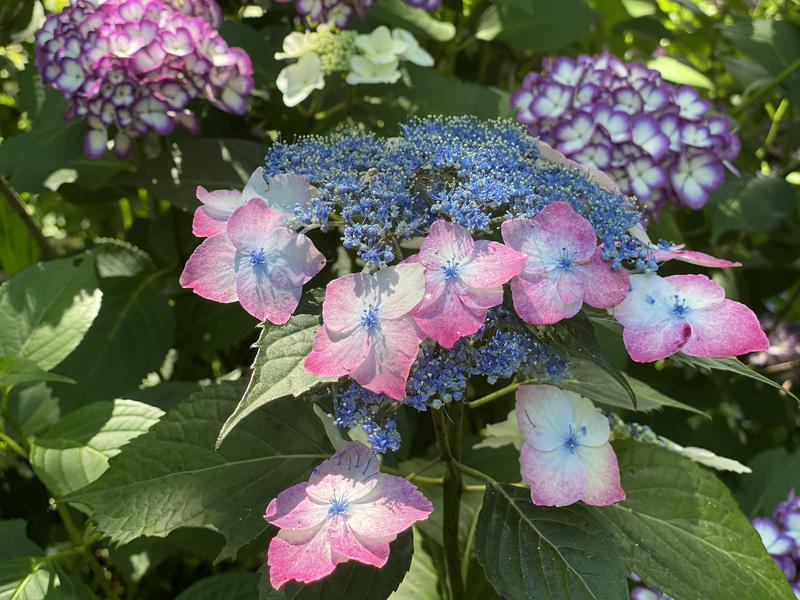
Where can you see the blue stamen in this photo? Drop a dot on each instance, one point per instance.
(258, 257)
(338, 507)
(450, 269)
(370, 318)
(567, 260)
(649, 299)
(572, 440)
(680, 308)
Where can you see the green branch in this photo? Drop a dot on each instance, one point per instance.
(766, 88)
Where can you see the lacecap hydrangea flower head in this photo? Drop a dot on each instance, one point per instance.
(131, 67)
(470, 238)
(373, 57)
(657, 141)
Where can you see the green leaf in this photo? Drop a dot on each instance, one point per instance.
(230, 586)
(46, 310)
(434, 93)
(171, 477)
(351, 579)
(116, 258)
(681, 531)
(128, 340)
(417, 20)
(34, 407)
(591, 381)
(278, 369)
(205, 327)
(730, 364)
(754, 204)
(212, 163)
(679, 72)
(18, 248)
(75, 451)
(15, 370)
(530, 551)
(422, 580)
(24, 572)
(538, 25)
(775, 474)
(575, 337)
(28, 158)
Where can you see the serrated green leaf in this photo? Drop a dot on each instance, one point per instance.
(351, 579)
(24, 573)
(278, 368)
(171, 477)
(230, 586)
(116, 258)
(204, 327)
(681, 531)
(422, 580)
(417, 20)
(730, 364)
(590, 381)
(575, 337)
(128, 340)
(34, 407)
(530, 551)
(75, 451)
(15, 370)
(46, 310)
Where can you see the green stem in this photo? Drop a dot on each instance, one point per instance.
(20, 447)
(11, 443)
(466, 558)
(766, 89)
(414, 476)
(495, 395)
(16, 202)
(77, 538)
(449, 451)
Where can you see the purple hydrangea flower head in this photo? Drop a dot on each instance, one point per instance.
(784, 349)
(339, 12)
(656, 140)
(130, 67)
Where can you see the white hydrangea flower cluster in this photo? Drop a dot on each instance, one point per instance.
(364, 58)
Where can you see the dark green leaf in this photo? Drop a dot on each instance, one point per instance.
(16, 544)
(205, 326)
(417, 20)
(46, 310)
(538, 25)
(591, 381)
(230, 586)
(775, 474)
(351, 579)
(171, 477)
(211, 163)
(75, 451)
(24, 572)
(422, 580)
(15, 370)
(128, 340)
(434, 93)
(530, 551)
(575, 337)
(278, 368)
(682, 532)
(730, 364)
(34, 407)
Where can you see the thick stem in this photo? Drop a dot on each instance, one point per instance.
(450, 450)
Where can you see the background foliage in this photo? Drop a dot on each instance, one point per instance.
(104, 350)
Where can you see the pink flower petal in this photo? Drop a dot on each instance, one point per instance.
(602, 484)
(477, 298)
(218, 206)
(730, 329)
(446, 242)
(566, 228)
(654, 343)
(537, 302)
(346, 543)
(285, 191)
(210, 270)
(392, 506)
(448, 319)
(648, 303)
(586, 415)
(698, 291)
(350, 474)
(342, 307)
(293, 509)
(256, 187)
(251, 225)
(693, 257)
(400, 289)
(570, 285)
(333, 354)
(605, 287)
(557, 478)
(266, 299)
(303, 555)
(543, 416)
(491, 264)
(392, 351)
